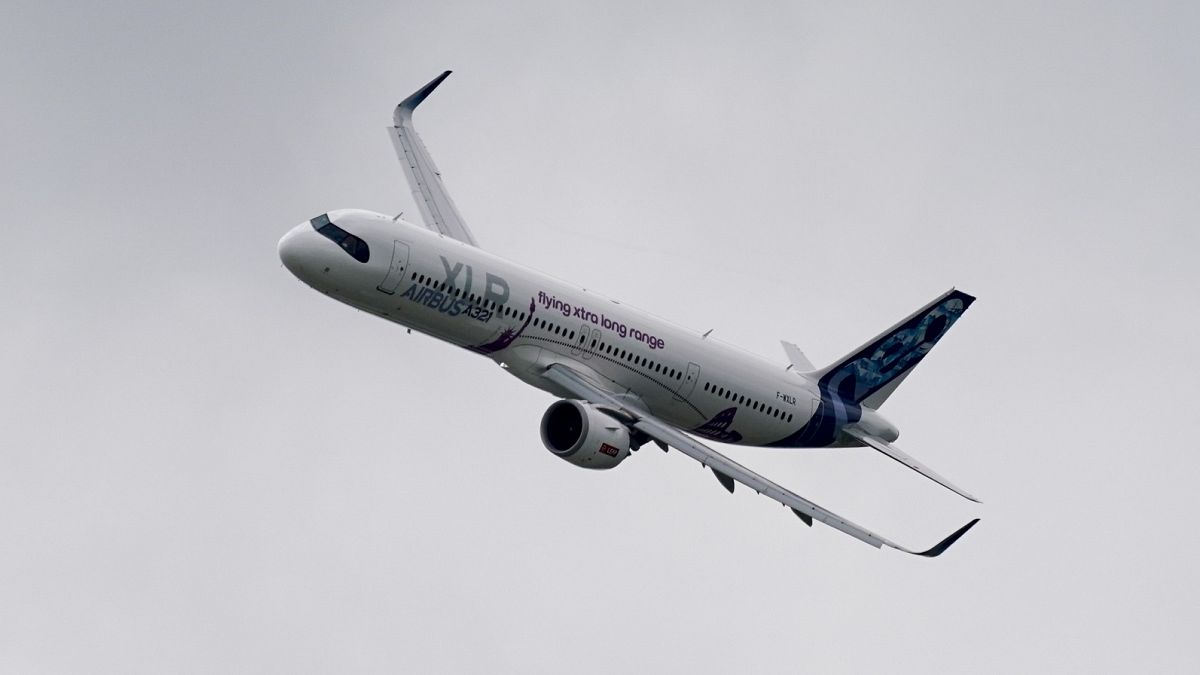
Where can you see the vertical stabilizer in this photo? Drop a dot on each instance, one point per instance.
(872, 372)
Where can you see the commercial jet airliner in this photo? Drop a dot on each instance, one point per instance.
(623, 377)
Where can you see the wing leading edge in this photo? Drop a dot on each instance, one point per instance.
(728, 469)
(437, 209)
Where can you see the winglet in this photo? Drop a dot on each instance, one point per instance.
(947, 542)
(408, 105)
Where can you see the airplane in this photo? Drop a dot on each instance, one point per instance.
(622, 377)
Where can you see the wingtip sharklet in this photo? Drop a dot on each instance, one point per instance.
(408, 105)
(946, 543)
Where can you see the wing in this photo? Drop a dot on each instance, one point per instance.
(437, 209)
(726, 469)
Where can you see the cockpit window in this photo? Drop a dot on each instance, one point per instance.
(357, 248)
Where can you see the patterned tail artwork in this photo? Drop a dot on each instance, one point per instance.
(895, 352)
(847, 385)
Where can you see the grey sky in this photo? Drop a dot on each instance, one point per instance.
(207, 467)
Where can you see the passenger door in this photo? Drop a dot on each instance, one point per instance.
(395, 272)
(581, 341)
(689, 382)
(589, 344)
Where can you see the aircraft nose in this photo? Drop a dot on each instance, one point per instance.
(295, 248)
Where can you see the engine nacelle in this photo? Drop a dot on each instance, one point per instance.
(584, 436)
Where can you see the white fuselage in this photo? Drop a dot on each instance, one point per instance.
(525, 321)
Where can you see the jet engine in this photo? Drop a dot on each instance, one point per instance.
(584, 436)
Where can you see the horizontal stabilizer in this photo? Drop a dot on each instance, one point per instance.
(799, 361)
(905, 459)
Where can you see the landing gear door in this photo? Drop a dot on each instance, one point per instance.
(689, 382)
(396, 271)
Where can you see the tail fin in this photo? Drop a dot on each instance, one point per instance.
(872, 372)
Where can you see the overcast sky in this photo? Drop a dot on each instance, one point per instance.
(207, 467)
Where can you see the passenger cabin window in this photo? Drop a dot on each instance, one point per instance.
(357, 248)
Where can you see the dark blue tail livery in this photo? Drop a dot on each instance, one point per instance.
(864, 376)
